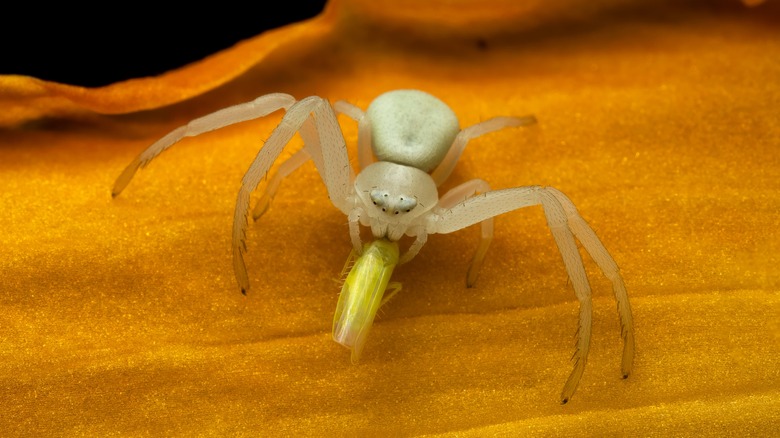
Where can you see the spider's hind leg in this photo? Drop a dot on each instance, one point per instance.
(445, 168)
(365, 153)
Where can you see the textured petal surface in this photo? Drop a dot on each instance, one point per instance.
(659, 119)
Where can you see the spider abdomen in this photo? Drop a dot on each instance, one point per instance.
(412, 128)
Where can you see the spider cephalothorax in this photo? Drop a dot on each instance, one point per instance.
(391, 198)
(408, 144)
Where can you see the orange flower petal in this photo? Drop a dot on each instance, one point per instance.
(659, 119)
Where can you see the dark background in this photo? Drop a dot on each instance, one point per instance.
(100, 45)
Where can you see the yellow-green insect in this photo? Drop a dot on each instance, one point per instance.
(363, 293)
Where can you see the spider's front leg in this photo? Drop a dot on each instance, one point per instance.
(257, 108)
(324, 143)
(609, 267)
(564, 222)
(311, 142)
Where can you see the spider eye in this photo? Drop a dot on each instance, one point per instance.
(405, 203)
(383, 209)
(374, 203)
(396, 212)
(408, 210)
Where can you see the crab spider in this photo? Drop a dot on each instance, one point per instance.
(408, 144)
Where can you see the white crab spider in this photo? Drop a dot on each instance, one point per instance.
(416, 141)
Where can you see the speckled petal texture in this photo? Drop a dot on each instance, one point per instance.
(659, 119)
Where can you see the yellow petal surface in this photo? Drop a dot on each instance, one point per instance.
(659, 119)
